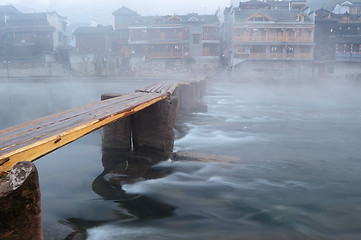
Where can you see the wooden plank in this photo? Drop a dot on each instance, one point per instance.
(38, 130)
(57, 130)
(58, 127)
(29, 125)
(66, 116)
(162, 87)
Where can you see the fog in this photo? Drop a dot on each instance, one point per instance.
(101, 12)
(294, 123)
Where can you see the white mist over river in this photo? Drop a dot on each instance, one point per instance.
(298, 177)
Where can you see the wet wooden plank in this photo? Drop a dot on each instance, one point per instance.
(63, 125)
(91, 109)
(162, 87)
(58, 117)
(29, 141)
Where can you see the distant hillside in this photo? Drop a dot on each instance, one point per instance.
(326, 4)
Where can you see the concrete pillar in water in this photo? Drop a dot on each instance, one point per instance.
(203, 87)
(197, 91)
(153, 127)
(190, 97)
(20, 204)
(186, 102)
(117, 135)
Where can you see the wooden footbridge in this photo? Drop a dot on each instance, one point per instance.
(31, 140)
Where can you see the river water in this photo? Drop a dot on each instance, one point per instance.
(297, 177)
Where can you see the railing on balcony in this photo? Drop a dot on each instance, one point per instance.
(304, 39)
(290, 55)
(305, 55)
(258, 55)
(241, 55)
(347, 56)
(211, 37)
(249, 38)
(240, 39)
(276, 55)
(275, 38)
(272, 38)
(166, 55)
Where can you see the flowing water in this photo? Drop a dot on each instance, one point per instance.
(297, 177)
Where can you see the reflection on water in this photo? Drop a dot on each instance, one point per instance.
(298, 177)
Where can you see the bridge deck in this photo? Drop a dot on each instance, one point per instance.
(31, 140)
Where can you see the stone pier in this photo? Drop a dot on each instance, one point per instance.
(117, 134)
(20, 204)
(153, 127)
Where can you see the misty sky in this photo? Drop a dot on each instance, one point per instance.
(96, 8)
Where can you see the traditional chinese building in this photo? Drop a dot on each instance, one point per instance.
(269, 30)
(339, 34)
(94, 39)
(30, 34)
(338, 37)
(6, 12)
(93, 50)
(147, 38)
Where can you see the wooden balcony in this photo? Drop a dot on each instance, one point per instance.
(258, 55)
(275, 38)
(241, 55)
(161, 55)
(290, 55)
(304, 55)
(249, 38)
(304, 39)
(276, 55)
(240, 39)
(272, 39)
(290, 39)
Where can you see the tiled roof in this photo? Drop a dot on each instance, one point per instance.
(174, 19)
(137, 20)
(37, 28)
(8, 9)
(276, 16)
(94, 30)
(28, 17)
(125, 11)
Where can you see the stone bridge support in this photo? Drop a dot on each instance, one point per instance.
(117, 134)
(20, 204)
(153, 127)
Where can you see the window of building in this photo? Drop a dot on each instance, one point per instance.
(241, 50)
(276, 49)
(305, 49)
(290, 49)
(258, 49)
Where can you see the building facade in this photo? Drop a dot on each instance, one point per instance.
(268, 30)
(93, 50)
(338, 38)
(30, 34)
(174, 37)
